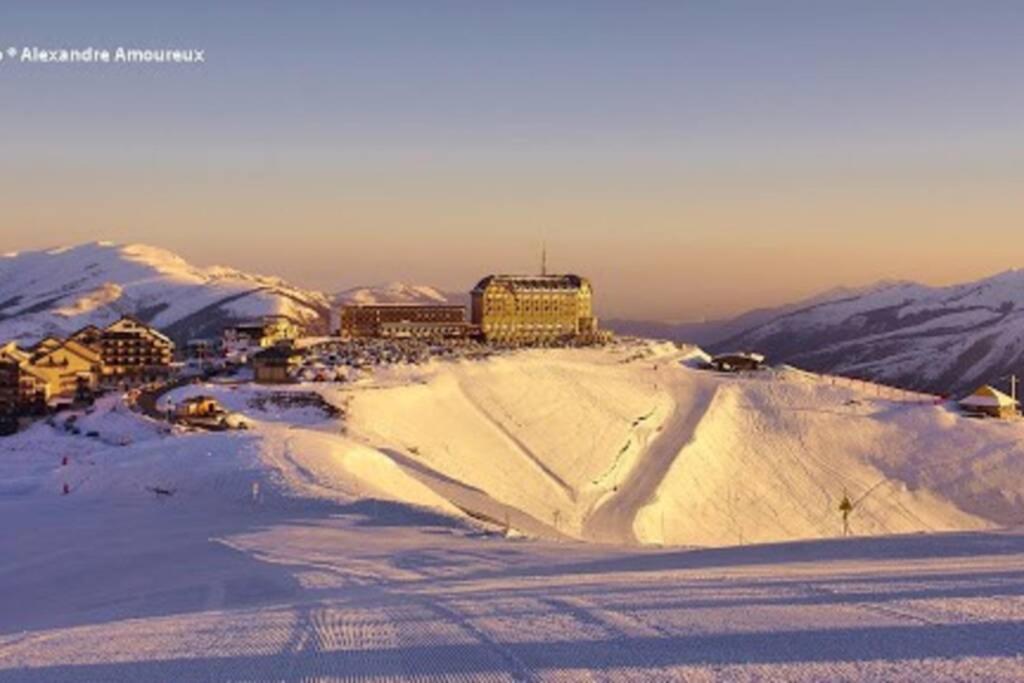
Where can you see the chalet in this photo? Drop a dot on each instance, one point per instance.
(987, 401)
(134, 353)
(29, 388)
(68, 369)
(198, 407)
(260, 334)
(737, 361)
(44, 345)
(276, 365)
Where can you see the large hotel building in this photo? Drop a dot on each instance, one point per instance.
(530, 309)
(506, 309)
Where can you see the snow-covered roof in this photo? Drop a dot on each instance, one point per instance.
(746, 355)
(129, 322)
(988, 397)
(534, 282)
(400, 304)
(200, 398)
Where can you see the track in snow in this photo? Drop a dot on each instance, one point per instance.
(452, 608)
(612, 519)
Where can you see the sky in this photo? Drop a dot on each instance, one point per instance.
(694, 159)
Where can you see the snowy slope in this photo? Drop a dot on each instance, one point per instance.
(940, 339)
(348, 563)
(628, 447)
(57, 291)
(391, 293)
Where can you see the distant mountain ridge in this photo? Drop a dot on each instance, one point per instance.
(945, 340)
(710, 332)
(939, 339)
(57, 291)
(391, 293)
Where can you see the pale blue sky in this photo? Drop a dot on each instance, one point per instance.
(728, 154)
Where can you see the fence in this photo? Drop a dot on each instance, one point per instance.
(880, 390)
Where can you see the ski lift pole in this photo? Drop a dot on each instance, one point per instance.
(846, 507)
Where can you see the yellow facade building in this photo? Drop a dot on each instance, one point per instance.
(66, 368)
(532, 309)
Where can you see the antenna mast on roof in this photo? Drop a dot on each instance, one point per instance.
(543, 258)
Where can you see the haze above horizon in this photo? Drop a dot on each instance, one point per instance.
(693, 159)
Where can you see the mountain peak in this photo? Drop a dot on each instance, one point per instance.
(942, 339)
(391, 293)
(58, 290)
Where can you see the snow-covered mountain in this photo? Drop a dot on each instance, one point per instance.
(709, 332)
(391, 293)
(941, 339)
(57, 291)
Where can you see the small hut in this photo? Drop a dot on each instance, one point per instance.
(737, 361)
(987, 401)
(198, 406)
(275, 365)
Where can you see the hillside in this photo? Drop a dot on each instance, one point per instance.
(707, 333)
(391, 293)
(57, 291)
(374, 544)
(627, 445)
(940, 339)
(635, 447)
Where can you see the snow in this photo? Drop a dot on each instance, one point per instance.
(58, 291)
(943, 339)
(252, 594)
(391, 293)
(373, 544)
(635, 446)
(989, 397)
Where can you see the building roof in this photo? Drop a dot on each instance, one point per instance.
(739, 355)
(988, 397)
(398, 304)
(83, 351)
(264, 321)
(257, 326)
(11, 350)
(29, 370)
(278, 353)
(201, 398)
(87, 330)
(533, 282)
(118, 324)
(45, 344)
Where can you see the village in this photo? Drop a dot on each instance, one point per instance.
(506, 312)
(133, 357)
